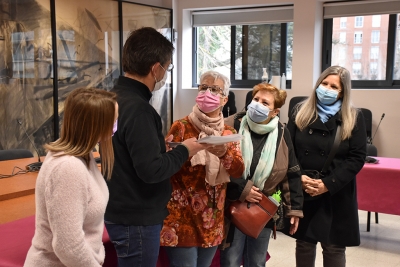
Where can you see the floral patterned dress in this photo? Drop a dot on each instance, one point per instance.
(196, 208)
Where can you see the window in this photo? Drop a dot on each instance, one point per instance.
(373, 70)
(342, 37)
(356, 69)
(375, 37)
(342, 53)
(376, 20)
(358, 37)
(374, 52)
(379, 66)
(343, 22)
(245, 49)
(396, 71)
(358, 22)
(357, 51)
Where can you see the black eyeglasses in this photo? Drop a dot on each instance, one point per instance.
(214, 89)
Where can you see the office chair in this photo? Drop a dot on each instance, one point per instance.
(10, 154)
(294, 101)
(371, 151)
(230, 106)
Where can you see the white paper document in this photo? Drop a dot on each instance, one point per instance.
(219, 140)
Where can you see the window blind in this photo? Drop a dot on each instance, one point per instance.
(279, 14)
(358, 8)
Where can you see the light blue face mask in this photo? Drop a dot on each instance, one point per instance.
(326, 96)
(257, 112)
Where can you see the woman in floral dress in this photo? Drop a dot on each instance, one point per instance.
(195, 226)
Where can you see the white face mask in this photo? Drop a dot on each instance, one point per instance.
(161, 83)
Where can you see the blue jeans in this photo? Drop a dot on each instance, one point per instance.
(135, 245)
(190, 256)
(252, 251)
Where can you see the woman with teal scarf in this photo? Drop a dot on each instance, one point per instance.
(270, 165)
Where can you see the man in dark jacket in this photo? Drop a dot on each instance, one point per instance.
(139, 186)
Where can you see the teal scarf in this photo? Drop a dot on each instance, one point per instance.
(267, 158)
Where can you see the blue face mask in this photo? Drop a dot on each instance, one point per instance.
(326, 96)
(257, 112)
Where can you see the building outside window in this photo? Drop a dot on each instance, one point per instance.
(374, 52)
(376, 20)
(373, 70)
(375, 37)
(359, 22)
(358, 37)
(356, 69)
(342, 37)
(343, 22)
(357, 51)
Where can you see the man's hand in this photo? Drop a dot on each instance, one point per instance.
(194, 147)
(168, 139)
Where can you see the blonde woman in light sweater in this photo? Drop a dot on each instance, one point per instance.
(71, 193)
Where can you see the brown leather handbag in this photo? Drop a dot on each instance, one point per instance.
(251, 218)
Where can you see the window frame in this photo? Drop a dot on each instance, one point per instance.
(242, 83)
(355, 37)
(375, 34)
(355, 21)
(389, 82)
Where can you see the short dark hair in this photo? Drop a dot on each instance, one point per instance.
(143, 48)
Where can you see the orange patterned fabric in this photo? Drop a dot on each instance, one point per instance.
(196, 209)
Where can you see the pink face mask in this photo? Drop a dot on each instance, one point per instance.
(207, 102)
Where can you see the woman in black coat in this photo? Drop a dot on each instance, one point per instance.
(330, 207)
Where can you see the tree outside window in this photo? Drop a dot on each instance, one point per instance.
(242, 51)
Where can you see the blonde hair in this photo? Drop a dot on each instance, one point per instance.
(279, 95)
(216, 75)
(306, 111)
(88, 118)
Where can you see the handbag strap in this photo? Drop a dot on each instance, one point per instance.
(334, 149)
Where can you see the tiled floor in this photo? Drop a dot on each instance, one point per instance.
(379, 247)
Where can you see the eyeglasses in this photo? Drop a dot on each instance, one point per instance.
(170, 67)
(214, 89)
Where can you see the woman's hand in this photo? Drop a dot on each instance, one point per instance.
(218, 151)
(294, 224)
(314, 187)
(254, 195)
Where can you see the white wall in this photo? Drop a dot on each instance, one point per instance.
(306, 68)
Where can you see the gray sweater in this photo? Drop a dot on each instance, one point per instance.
(70, 205)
